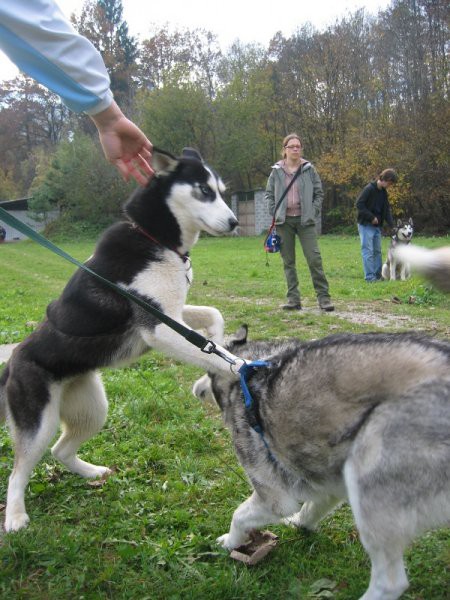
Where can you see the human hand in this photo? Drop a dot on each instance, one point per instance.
(124, 144)
(375, 221)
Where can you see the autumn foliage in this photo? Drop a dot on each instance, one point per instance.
(365, 93)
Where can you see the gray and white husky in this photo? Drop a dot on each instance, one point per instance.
(52, 376)
(363, 418)
(395, 268)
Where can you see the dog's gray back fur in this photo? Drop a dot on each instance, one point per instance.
(359, 417)
(315, 396)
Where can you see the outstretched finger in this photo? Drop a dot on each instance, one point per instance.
(123, 169)
(146, 153)
(134, 172)
(145, 165)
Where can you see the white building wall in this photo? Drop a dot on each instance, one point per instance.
(24, 216)
(263, 220)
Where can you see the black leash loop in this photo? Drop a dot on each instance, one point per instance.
(190, 335)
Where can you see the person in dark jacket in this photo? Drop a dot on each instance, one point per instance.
(373, 210)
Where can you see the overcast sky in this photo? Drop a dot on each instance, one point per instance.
(251, 21)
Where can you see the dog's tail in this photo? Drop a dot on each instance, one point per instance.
(432, 264)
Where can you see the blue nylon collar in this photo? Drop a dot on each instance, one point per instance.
(244, 372)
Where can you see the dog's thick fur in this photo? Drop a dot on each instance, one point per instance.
(434, 264)
(363, 418)
(52, 375)
(394, 268)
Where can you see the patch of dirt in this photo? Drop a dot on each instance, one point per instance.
(378, 315)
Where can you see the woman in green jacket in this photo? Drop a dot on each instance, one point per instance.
(296, 216)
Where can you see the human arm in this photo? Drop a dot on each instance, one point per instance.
(388, 214)
(317, 190)
(364, 214)
(269, 194)
(39, 39)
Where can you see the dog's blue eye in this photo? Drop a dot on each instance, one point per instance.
(205, 190)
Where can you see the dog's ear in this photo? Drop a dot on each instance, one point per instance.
(163, 162)
(411, 222)
(399, 223)
(191, 153)
(240, 337)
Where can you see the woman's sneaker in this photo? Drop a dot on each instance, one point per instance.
(326, 304)
(291, 306)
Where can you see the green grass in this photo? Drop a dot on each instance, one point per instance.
(149, 530)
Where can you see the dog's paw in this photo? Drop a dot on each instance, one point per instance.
(90, 471)
(202, 389)
(16, 522)
(97, 472)
(226, 542)
(299, 521)
(84, 469)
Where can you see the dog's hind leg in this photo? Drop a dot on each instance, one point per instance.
(83, 413)
(388, 578)
(33, 420)
(382, 538)
(255, 513)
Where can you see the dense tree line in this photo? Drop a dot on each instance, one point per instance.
(365, 93)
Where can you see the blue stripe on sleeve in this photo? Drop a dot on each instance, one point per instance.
(34, 64)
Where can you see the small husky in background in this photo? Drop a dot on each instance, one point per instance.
(363, 418)
(53, 376)
(393, 268)
(434, 264)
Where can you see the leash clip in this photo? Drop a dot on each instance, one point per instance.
(209, 347)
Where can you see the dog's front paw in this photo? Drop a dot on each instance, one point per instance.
(87, 470)
(16, 522)
(97, 472)
(226, 542)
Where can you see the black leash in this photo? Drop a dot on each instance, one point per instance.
(205, 345)
(198, 340)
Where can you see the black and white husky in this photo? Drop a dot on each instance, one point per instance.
(395, 268)
(52, 376)
(363, 418)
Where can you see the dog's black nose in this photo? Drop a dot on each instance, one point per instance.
(233, 223)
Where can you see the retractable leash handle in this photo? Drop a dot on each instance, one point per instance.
(192, 336)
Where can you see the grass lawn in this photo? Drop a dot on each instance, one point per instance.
(149, 530)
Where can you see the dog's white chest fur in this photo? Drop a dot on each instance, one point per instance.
(166, 282)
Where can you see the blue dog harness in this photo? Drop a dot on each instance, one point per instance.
(245, 371)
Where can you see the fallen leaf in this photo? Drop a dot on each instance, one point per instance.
(260, 544)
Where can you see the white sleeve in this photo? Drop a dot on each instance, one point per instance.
(39, 39)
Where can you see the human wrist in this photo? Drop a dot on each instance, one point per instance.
(107, 117)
